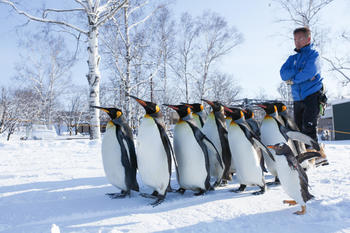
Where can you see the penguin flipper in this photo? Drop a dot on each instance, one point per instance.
(298, 136)
(307, 155)
(263, 148)
(127, 149)
(167, 147)
(212, 147)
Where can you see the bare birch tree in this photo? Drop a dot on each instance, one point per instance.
(123, 39)
(188, 31)
(45, 67)
(301, 13)
(217, 39)
(96, 14)
(224, 88)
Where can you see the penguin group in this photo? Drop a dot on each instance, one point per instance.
(207, 151)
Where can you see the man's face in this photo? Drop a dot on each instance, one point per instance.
(300, 40)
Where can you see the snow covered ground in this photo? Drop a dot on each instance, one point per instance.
(59, 186)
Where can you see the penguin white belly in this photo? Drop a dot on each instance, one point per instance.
(289, 179)
(270, 135)
(211, 131)
(111, 158)
(151, 157)
(190, 158)
(245, 157)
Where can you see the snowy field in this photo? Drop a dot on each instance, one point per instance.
(59, 186)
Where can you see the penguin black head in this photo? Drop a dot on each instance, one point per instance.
(150, 107)
(113, 113)
(268, 107)
(281, 107)
(248, 113)
(234, 113)
(183, 110)
(216, 106)
(281, 149)
(195, 107)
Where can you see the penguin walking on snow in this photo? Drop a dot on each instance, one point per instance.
(154, 152)
(290, 124)
(273, 131)
(292, 176)
(244, 145)
(215, 129)
(191, 151)
(118, 154)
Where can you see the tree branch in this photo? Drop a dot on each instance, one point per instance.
(31, 17)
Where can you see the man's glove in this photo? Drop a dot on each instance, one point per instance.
(289, 82)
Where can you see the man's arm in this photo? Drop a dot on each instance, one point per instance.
(310, 70)
(287, 71)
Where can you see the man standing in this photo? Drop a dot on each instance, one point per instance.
(302, 72)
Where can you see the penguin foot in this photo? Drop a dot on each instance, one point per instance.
(169, 189)
(123, 194)
(217, 183)
(201, 192)
(274, 183)
(159, 201)
(289, 202)
(302, 211)
(181, 191)
(240, 189)
(223, 183)
(154, 195)
(262, 191)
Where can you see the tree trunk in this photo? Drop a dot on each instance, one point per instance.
(128, 61)
(94, 83)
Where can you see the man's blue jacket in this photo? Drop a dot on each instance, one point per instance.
(303, 69)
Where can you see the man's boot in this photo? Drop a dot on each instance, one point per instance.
(322, 161)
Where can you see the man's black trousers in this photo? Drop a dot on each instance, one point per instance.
(306, 114)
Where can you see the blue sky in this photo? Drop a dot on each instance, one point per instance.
(254, 64)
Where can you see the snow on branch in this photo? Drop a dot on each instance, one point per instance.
(31, 17)
(108, 16)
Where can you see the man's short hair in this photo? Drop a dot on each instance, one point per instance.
(304, 30)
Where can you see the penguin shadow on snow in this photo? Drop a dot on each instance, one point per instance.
(315, 220)
(57, 199)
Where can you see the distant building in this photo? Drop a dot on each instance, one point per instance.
(335, 124)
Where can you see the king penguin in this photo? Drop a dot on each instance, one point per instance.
(245, 145)
(191, 148)
(292, 176)
(216, 130)
(273, 131)
(118, 154)
(198, 113)
(290, 124)
(255, 126)
(154, 152)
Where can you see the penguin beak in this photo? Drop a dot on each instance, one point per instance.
(188, 105)
(227, 109)
(143, 103)
(262, 106)
(171, 106)
(271, 147)
(208, 102)
(101, 108)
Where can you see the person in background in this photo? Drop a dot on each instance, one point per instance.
(302, 72)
